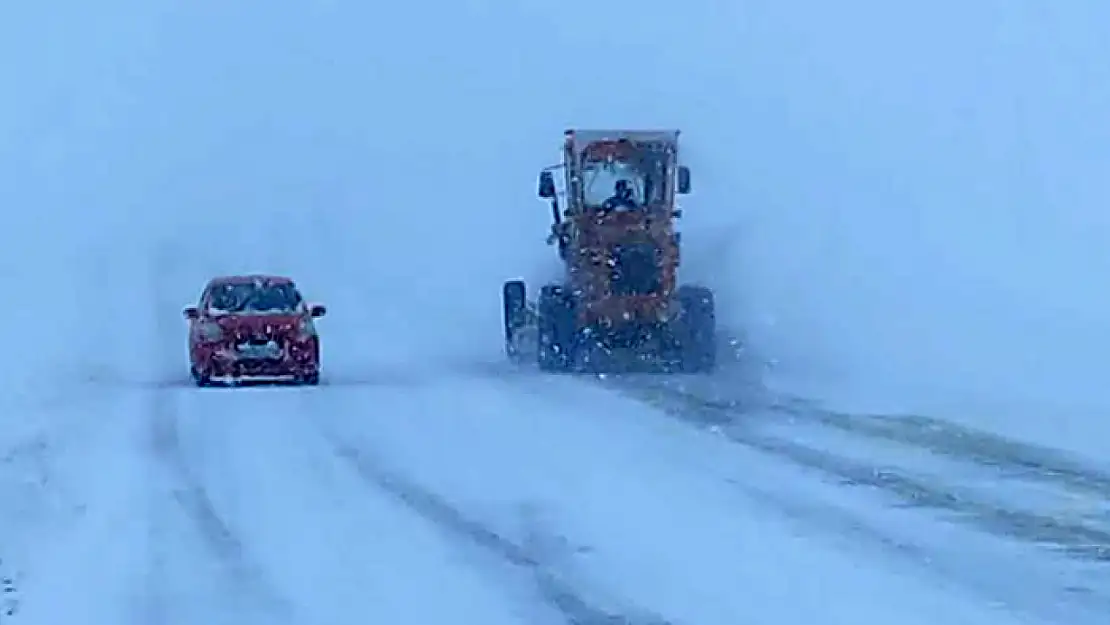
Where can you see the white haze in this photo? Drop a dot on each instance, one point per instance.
(903, 200)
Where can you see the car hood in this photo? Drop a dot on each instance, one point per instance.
(268, 326)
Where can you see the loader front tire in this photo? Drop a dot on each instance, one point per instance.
(557, 333)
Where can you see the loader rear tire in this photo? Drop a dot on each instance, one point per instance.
(514, 303)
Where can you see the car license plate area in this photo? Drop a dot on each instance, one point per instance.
(258, 351)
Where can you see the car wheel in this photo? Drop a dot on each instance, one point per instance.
(199, 379)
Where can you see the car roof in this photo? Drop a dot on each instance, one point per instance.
(591, 135)
(250, 279)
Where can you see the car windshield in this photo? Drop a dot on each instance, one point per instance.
(245, 299)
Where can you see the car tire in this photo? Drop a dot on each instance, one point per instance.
(199, 378)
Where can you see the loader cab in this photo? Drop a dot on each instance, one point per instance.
(648, 168)
(581, 190)
(591, 170)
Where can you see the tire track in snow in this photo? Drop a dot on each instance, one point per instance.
(575, 608)
(245, 578)
(164, 443)
(192, 497)
(744, 406)
(1018, 459)
(1069, 589)
(1086, 541)
(958, 555)
(1050, 595)
(32, 488)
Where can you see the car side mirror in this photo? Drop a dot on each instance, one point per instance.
(317, 310)
(547, 185)
(191, 312)
(683, 180)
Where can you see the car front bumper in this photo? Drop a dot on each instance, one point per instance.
(290, 363)
(261, 368)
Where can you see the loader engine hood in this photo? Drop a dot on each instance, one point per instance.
(634, 268)
(609, 229)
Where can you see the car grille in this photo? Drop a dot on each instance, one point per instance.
(258, 336)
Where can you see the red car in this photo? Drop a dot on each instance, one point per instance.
(253, 328)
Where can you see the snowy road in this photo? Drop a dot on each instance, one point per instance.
(480, 494)
(1026, 526)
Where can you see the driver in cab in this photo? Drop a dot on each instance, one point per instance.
(621, 199)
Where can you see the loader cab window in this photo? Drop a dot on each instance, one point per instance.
(600, 178)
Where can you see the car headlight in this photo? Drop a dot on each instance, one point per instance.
(306, 329)
(211, 332)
